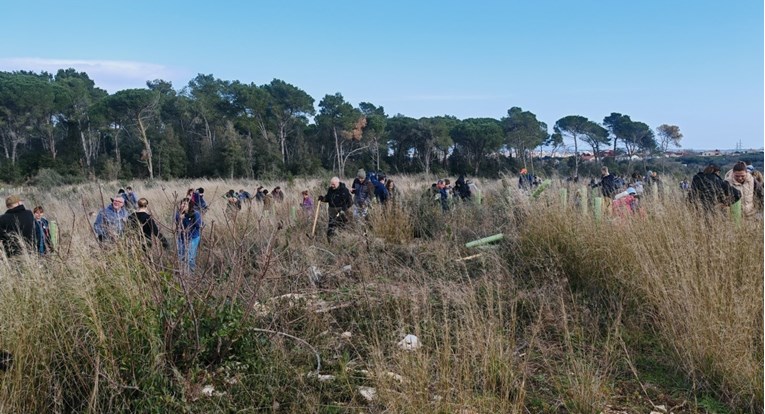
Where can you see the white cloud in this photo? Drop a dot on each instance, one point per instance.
(112, 75)
(451, 98)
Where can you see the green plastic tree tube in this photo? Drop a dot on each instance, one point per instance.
(485, 240)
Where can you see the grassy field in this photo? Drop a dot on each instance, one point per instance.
(658, 312)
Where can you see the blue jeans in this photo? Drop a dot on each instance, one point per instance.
(188, 256)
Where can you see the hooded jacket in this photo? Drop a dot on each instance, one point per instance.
(747, 190)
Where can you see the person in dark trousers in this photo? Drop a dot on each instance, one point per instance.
(339, 199)
(43, 242)
(17, 226)
(142, 221)
(709, 192)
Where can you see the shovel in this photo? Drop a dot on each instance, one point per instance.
(315, 219)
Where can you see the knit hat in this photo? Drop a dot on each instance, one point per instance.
(361, 174)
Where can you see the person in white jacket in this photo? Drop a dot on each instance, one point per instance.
(740, 179)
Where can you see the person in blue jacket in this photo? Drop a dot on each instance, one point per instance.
(188, 222)
(110, 222)
(381, 193)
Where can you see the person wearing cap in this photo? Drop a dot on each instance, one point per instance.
(625, 203)
(740, 179)
(110, 222)
(709, 192)
(363, 190)
(17, 226)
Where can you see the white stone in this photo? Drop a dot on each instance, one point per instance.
(368, 393)
(208, 390)
(346, 335)
(410, 343)
(395, 376)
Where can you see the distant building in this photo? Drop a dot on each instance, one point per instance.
(715, 153)
(586, 156)
(674, 154)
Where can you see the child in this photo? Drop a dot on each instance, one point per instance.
(43, 242)
(307, 203)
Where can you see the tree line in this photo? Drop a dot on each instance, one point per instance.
(219, 128)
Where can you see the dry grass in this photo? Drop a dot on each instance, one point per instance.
(551, 319)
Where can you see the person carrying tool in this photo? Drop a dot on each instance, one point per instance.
(339, 199)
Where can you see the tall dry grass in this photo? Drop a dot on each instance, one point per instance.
(544, 321)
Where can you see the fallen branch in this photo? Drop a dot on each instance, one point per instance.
(464, 259)
(302, 341)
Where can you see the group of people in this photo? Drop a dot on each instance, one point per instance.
(122, 216)
(235, 199)
(445, 194)
(356, 201)
(708, 191)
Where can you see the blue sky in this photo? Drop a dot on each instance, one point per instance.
(696, 64)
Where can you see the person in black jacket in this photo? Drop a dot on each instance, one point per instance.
(462, 189)
(17, 226)
(608, 187)
(339, 199)
(709, 192)
(142, 220)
